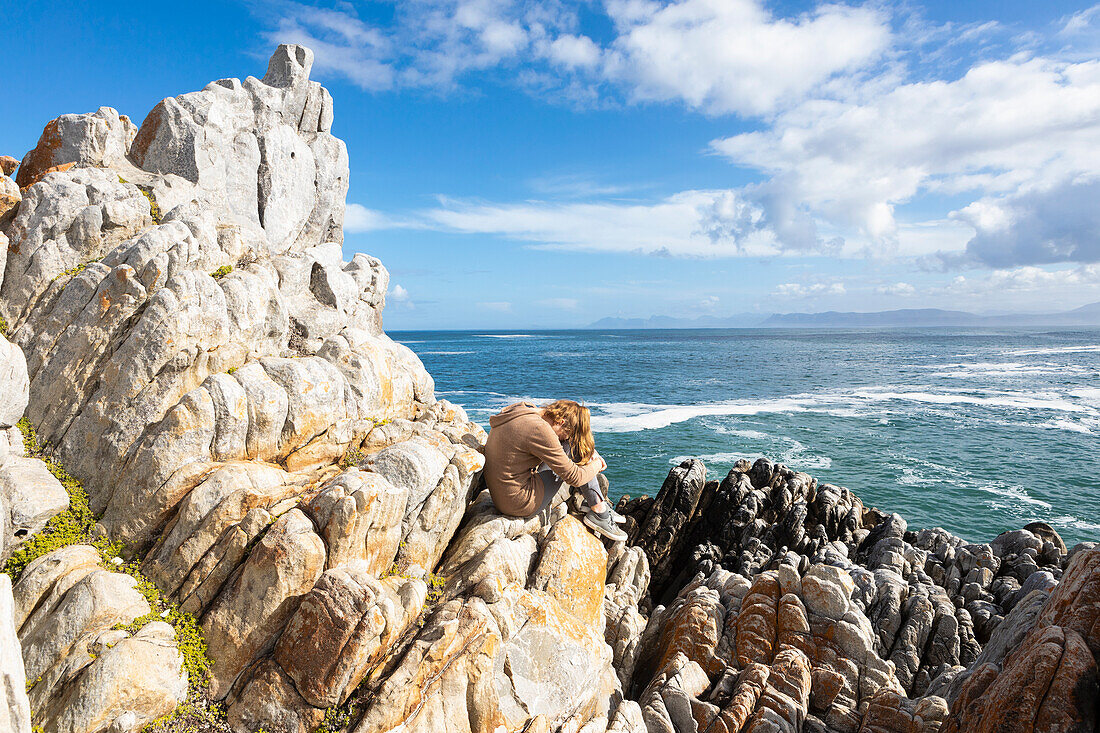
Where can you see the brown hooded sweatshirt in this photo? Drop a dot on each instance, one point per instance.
(519, 440)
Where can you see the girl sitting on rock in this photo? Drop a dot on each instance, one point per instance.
(532, 452)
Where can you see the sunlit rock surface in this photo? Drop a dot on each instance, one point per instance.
(187, 338)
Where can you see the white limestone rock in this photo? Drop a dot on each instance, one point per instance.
(283, 567)
(15, 709)
(65, 221)
(30, 496)
(131, 682)
(98, 140)
(256, 150)
(14, 383)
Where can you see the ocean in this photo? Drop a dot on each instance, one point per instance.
(974, 430)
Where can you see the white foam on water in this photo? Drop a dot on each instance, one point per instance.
(818, 462)
(628, 417)
(844, 412)
(799, 458)
(1070, 425)
(910, 477)
(625, 417)
(1017, 493)
(1069, 521)
(1089, 395)
(977, 366)
(986, 398)
(450, 392)
(1055, 350)
(750, 434)
(719, 458)
(445, 353)
(797, 461)
(510, 336)
(979, 370)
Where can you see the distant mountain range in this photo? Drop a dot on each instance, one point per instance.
(1088, 315)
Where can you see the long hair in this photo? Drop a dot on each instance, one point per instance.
(577, 422)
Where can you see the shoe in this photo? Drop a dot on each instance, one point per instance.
(603, 484)
(604, 526)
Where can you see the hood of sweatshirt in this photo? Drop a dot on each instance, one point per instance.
(511, 412)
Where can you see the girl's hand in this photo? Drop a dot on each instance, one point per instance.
(598, 460)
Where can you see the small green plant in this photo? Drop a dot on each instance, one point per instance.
(147, 192)
(190, 717)
(435, 583)
(76, 269)
(3, 326)
(338, 717)
(188, 633)
(352, 458)
(231, 370)
(154, 209)
(70, 527)
(221, 272)
(74, 526)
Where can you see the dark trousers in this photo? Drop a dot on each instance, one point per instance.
(552, 484)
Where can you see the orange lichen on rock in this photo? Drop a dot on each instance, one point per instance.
(757, 624)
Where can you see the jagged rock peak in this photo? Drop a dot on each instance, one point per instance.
(146, 266)
(258, 153)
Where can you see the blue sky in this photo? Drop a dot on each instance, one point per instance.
(548, 164)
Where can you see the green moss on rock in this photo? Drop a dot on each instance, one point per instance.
(75, 526)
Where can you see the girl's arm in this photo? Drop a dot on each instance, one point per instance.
(544, 445)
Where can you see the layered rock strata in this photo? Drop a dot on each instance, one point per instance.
(188, 340)
(805, 610)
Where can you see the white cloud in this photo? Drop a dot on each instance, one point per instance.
(429, 43)
(568, 304)
(340, 43)
(1002, 126)
(720, 56)
(902, 289)
(399, 293)
(1058, 224)
(687, 224)
(934, 236)
(801, 290)
(1028, 280)
(497, 306)
(1021, 289)
(574, 51)
(853, 122)
(358, 218)
(576, 185)
(726, 56)
(1081, 21)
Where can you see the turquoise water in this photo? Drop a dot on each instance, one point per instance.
(973, 430)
